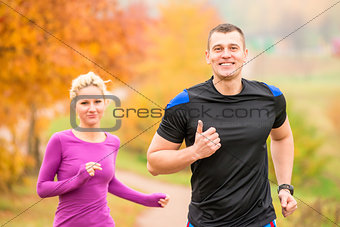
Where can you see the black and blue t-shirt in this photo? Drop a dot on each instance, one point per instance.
(231, 187)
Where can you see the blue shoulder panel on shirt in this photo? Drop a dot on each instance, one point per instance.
(276, 91)
(181, 98)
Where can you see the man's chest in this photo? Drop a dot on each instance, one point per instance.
(249, 119)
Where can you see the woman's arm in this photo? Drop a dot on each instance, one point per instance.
(152, 200)
(46, 186)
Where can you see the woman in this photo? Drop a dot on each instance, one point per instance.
(85, 165)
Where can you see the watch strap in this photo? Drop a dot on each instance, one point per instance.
(286, 186)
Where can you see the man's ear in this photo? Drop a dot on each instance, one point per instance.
(245, 55)
(207, 57)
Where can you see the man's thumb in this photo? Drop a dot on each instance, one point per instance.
(200, 126)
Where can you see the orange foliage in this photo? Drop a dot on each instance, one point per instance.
(175, 60)
(45, 44)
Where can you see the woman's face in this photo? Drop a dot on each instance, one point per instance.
(90, 110)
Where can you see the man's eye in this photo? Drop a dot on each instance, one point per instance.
(234, 48)
(83, 103)
(98, 101)
(218, 49)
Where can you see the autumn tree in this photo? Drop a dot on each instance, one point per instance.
(177, 40)
(45, 44)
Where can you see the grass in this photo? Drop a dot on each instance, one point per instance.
(29, 210)
(312, 211)
(58, 124)
(313, 96)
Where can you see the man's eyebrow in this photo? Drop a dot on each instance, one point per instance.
(216, 45)
(230, 44)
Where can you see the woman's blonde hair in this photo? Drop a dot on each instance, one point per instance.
(89, 79)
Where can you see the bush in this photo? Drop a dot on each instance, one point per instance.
(12, 165)
(308, 163)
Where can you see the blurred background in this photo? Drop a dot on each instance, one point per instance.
(151, 50)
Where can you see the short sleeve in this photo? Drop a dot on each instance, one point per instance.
(280, 111)
(174, 122)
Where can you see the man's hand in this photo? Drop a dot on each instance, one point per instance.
(288, 203)
(206, 143)
(164, 157)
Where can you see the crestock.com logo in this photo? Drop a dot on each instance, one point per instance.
(201, 111)
(73, 121)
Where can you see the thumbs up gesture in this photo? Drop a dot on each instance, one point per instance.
(206, 143)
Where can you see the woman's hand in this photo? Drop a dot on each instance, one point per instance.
(164, 202)
(91, 167)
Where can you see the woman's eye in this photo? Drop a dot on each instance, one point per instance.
(98, 101)
(83, 103)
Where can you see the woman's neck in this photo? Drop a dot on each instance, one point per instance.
(93, 137)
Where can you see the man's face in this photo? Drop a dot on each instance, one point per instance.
(226, 54)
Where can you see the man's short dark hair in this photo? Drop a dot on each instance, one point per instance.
(226, 28)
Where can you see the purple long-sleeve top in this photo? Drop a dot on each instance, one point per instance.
(82, 198)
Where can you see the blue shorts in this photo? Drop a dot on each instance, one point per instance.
(271, 224)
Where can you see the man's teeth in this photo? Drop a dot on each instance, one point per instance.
(226, 63)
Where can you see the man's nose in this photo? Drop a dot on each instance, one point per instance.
(226, 53)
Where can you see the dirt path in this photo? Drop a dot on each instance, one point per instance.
(174, 215)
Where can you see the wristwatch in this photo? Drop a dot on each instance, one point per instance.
(286, 186)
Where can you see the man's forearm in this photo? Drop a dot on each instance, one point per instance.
(283, 157)
(170, 161)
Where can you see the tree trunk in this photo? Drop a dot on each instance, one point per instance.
(33, 139)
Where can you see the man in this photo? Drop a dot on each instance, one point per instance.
(225, 122)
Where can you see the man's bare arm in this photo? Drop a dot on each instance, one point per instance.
(164, 157)
(282, 148)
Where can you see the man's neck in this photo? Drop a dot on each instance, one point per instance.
(228, 86)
